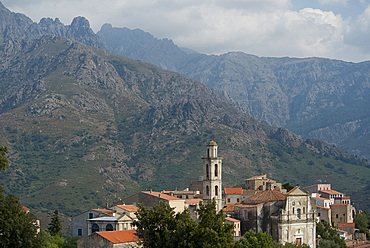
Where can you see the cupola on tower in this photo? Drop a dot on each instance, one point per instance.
(212, 176)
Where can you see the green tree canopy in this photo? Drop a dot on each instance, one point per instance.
(3, 158)
(328, 236)
(17, 228)
(161, 227)
(55, 226)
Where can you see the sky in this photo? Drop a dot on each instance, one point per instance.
(336, 29)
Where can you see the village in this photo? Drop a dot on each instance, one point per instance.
(260, 204)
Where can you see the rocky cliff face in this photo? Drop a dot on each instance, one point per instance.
(18, 26)
(315, 98)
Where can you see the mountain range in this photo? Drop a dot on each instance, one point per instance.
(313, 97)
(85, 126)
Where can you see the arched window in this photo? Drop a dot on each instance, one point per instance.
(109, 227)
(216, 190)
(293, 210)
(94, 228)
(216, 170)
(207, 190)
(207, 171)
(298, 213)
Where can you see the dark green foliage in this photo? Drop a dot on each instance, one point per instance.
(362, 222)
(328, 236)
(287, 186)
(161, 227)
(262, 240)
(55, 226)
(3, 159)
(17, 228)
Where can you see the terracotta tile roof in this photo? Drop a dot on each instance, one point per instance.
(331, 192)
(162, 196)
(105, 211)
(339, 204)
(193, 201)
(248, 206)
(290, 191)
(249, 192)
(179, 192)
(257, 177)
(265, 196)
(117, 237)
(25, 209)
(346, 224)
(233, 191)
(232, 219)
(129, 208)
(229, 208)
(322, 207)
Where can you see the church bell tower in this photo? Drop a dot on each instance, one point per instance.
(212, 176)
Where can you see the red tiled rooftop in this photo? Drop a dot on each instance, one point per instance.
(265, 196)
(162, 196)
(129, 208)
(117, 237)
(346, 224)
(25, 209)
(249, 192)
(248, 206)
(193, 201)
(105, 211)
(233, 191)
(323, 207)
(331, 192)
(229, 208)
(232, 219)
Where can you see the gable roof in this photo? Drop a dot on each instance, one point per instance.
(233, 191)
(257, 177)
(232, 219)
(229, 208)
(117, 237)
(129, 208)
(105, 211)
(332, 192)
(265, 196)
(297, 191)
(162, 196)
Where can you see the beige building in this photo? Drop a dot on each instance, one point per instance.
(236, 225)
(286, 217)
(261, 183)
(342, 213)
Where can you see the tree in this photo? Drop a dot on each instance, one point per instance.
(161, 227)
(263, 240)
(328, 236)
(362, 221)
(213, 232)
(55, 226)
(3, 158)
(17, 228)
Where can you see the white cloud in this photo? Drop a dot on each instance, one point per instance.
(261, 27)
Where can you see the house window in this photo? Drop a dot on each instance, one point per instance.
(207, 190)
(216, 190)
(336, 216)
(298, 213)
(293, 210)
(207, 171)
(79, 232)
(216, 170)
(237, 199)
(228, 200)
(94, 228)
(304, 210)
(109, 227)
(318, 214)
(91, 215)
